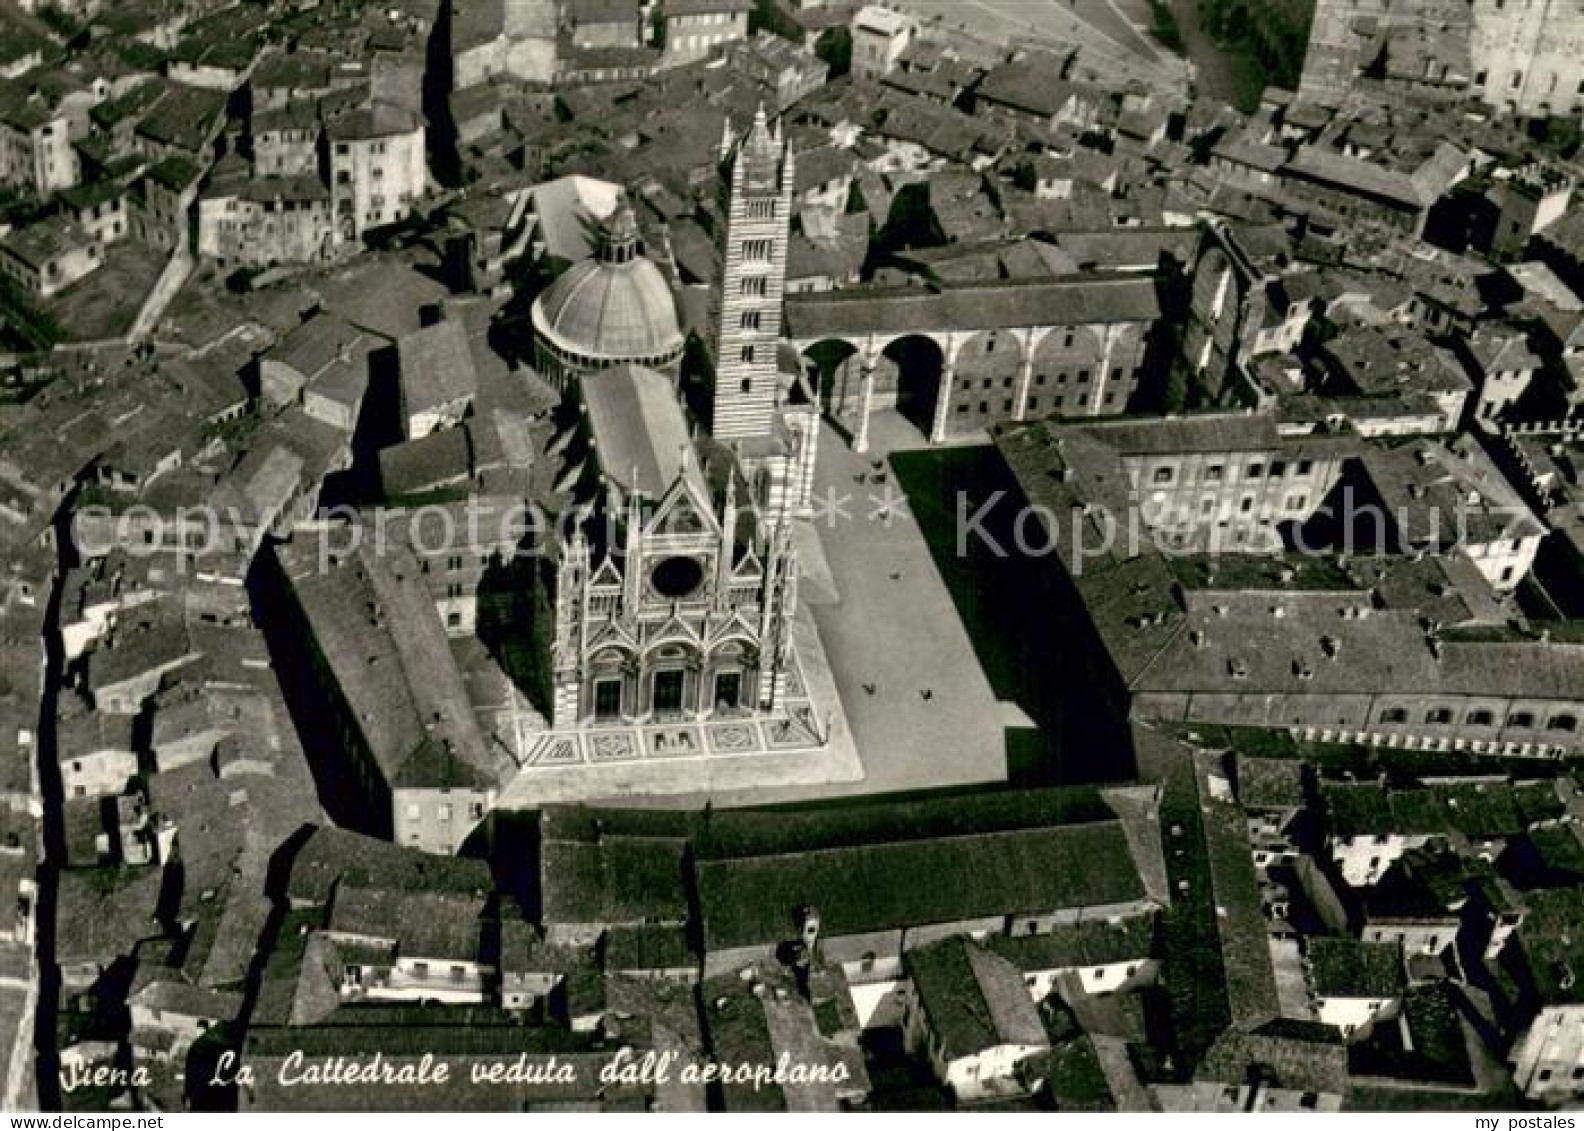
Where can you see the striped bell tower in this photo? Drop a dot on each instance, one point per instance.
(758, 210)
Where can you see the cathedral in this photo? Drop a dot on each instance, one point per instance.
(671, 592)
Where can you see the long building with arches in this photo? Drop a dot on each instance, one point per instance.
(961, 359)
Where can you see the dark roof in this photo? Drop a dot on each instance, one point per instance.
(372, 618)
(753, 900)
(1551, 945)
(1350, 968)
(1270, 783)
(973, 1000)
(617, 880)
(423, 924)
(1295, 1055)
(1088, 942)
(859, 312)
(328, 854)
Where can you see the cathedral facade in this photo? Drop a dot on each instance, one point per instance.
(672, 598)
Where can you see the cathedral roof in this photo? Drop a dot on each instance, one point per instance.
(616, 306)
(640, 435)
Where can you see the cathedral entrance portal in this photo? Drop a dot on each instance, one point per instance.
(728, 691)
(607, 700)
(668, 692)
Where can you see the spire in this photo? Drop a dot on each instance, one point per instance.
(726, 560)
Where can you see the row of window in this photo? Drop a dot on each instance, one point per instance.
(1080, 378)
(1482, 717)
(1214, 472)
(444, 813)
(1057, 403)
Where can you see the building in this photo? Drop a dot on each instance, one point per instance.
(1545, 954)
(1451, 498)
(604, 23)
(967, 357)
(100, 209)
(692, 29)
(409, 760)
(437, 379)
(47, 257)
(263, 222)
(514, 39)
(971, 1016)
(163, 212)
(324, 351)
(675, 600)
(378, 167)
(286, 140)
(418, 946)
(1355, 984)
(36, 137)
(1395, 185)
(1312, 653)
(1502, 364)
(864, 901)
(1520, 58)
(96, 753)
(1527, 201)
(879, 37)
(610, 309)
(1525, 56)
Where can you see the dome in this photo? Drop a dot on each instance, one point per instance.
(614, 308)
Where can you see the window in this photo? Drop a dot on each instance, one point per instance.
(756, 251)
(1394, 715)
(1164, 475)
(1522, 719)
(1565, 723)
(747, 354)
(1481, 718)
(1305, 466)
(749, 320)
(1255, 470)
(753, 285)
(1278, 468)
(1438, 716)
(746, 386)
(1212, 474)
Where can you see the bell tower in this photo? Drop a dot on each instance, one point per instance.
(758, 210)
